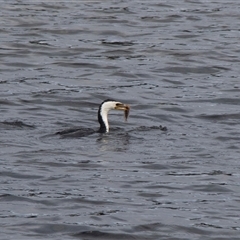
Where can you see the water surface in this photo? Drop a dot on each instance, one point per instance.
(176, 63)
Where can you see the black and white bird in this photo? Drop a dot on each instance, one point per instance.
(103, 111)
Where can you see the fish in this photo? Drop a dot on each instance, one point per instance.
(126, 112)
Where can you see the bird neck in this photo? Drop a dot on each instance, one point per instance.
(103, 120)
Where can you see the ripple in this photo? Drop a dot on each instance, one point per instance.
(15, 125)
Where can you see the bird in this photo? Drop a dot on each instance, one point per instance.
(103, 111)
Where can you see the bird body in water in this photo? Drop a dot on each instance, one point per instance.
(103, 111)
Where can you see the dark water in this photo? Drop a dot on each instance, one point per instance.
(176, 63)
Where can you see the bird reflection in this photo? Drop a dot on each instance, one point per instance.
(117, 141)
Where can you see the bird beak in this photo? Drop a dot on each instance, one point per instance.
(124, 107)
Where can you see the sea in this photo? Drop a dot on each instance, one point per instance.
(172, 171)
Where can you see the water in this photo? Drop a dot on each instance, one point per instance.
(176, 63)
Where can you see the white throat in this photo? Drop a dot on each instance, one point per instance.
(104, 114)
(106, 107)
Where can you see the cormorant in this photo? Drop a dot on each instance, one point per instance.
(103, 110)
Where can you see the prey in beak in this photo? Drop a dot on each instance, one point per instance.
(123, 107)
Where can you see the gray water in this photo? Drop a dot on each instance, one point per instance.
(176, 63)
